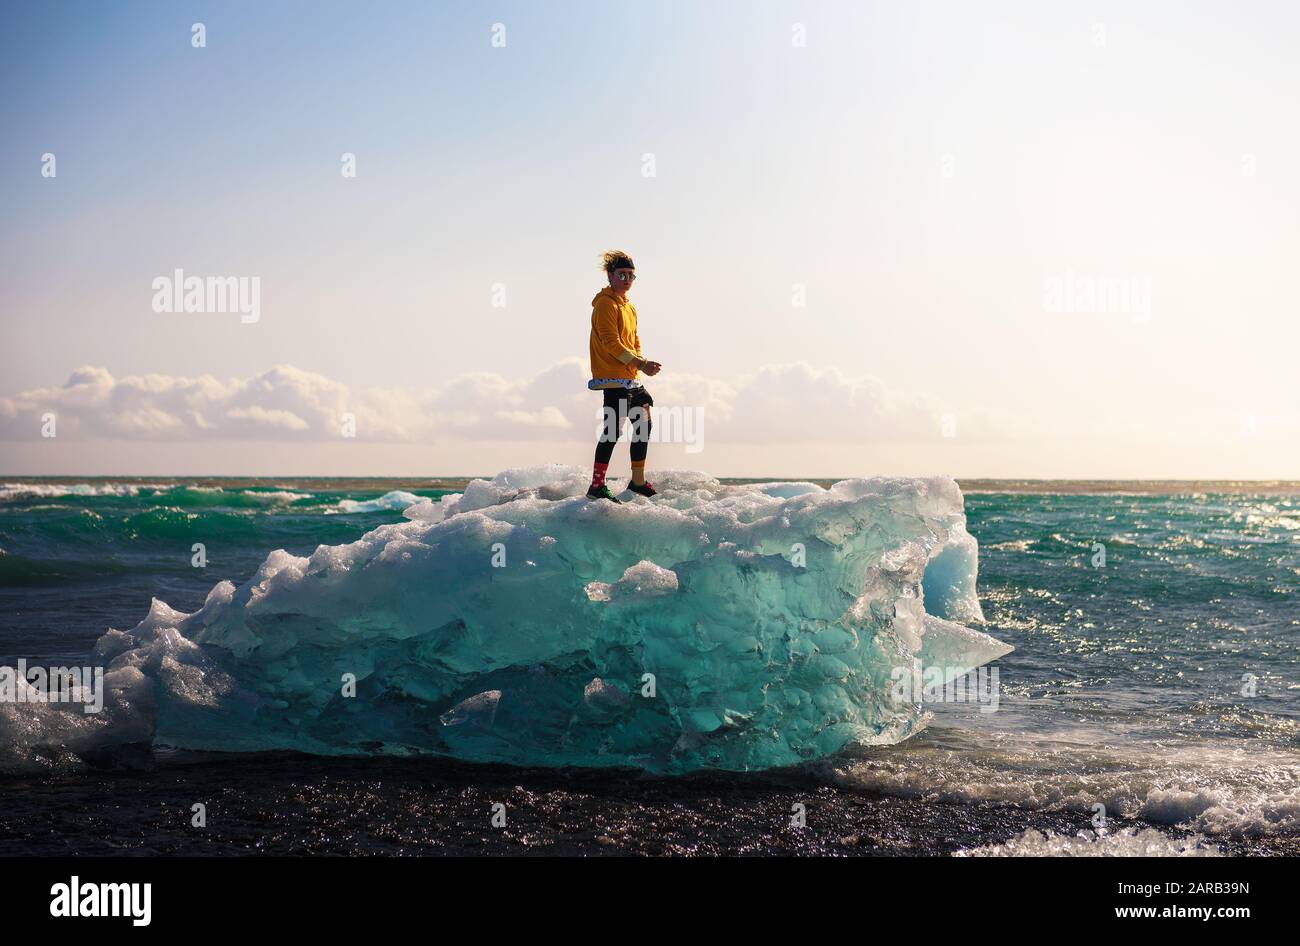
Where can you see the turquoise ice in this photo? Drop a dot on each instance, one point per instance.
(713, 626)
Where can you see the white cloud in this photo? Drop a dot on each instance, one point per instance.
(790, 403)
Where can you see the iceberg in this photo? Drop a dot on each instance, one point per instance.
(734, 627)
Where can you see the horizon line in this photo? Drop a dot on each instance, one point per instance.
(751, 479)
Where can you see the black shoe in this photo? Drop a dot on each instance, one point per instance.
(601, 492)
(645, 489)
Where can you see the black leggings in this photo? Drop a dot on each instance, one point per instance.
(619, 404)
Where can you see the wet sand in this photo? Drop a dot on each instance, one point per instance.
(293, 804)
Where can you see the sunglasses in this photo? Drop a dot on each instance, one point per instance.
(626, 277)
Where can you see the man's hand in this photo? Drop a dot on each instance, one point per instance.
(651, 368)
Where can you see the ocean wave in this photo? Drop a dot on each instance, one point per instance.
(10, 492)
(1238, 788)
(188, 495)
(1127, 842)
(396, 500)
(275, 497)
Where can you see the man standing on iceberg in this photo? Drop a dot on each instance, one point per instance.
(615, 361)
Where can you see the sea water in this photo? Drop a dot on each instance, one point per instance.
(1154, 671)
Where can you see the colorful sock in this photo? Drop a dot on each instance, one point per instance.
(638, 472)
(598, 474)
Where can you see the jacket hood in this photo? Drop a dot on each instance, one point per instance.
(608, 291)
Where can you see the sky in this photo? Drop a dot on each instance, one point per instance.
(987, 240)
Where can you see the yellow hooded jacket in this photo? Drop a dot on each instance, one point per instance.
(614, 341)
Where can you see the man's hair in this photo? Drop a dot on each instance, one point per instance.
(615, 259)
